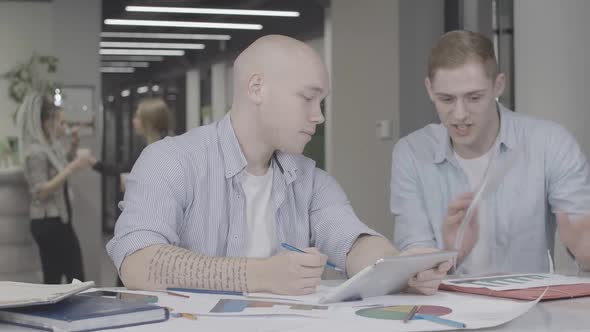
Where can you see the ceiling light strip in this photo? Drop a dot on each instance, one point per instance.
(164, 35)
(214, 11)
(184, 24)
(124, 51)
(127, 70)
(152, 45)
(131, 58)
(136, 64)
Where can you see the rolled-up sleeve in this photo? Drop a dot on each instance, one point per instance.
(154, 201)
(412, 227)
(568, 173)
(334, 225)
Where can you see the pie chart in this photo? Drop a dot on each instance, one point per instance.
(399, 312)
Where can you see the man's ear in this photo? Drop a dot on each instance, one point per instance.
(255, 88)
(428, 85)
(499, 85)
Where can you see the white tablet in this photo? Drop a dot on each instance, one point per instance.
(388, 275)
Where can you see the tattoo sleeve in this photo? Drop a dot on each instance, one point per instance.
(172, 266)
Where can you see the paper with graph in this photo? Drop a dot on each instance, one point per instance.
(382, 313)
(517, 281)
(475, 312)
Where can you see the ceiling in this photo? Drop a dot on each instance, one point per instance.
(309, 24)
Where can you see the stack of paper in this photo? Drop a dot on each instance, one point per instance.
(20, 294)
(383, 313)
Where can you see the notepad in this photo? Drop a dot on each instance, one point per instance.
(19, 294)
(85, 313)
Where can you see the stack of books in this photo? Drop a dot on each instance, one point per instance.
(63, 308)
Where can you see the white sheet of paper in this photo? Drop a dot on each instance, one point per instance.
(517, 281)
(475, 311)
(16, 294)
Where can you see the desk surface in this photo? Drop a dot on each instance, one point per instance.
(560, 315)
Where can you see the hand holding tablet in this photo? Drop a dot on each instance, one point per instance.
(388, 275)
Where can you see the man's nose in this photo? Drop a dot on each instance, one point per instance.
(460, 111)
(317, 115)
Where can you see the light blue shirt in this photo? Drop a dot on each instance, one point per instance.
(551, 175)
(186, 191)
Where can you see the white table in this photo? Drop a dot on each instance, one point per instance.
(560, 315)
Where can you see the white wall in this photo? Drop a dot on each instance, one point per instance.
(229, 83)
(552, 67)
(193, 99)
(552, 61)
(219, 103)
(25, 27)
(365, 82)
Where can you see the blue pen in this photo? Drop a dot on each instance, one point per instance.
(205, 291)
(443, 321)
(174, 291)
(328, 264)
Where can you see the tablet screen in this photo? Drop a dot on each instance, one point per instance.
(388, 275)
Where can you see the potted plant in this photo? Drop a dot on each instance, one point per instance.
(32, 75)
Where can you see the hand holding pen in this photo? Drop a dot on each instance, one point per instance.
(328, 264)
(288, 273)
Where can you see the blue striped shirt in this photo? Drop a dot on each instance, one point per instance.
(551, 175)
(186, 191)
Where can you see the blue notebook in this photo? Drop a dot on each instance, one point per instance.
(85, 313)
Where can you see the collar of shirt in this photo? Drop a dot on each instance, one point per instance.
(506, 137)
(235, 161)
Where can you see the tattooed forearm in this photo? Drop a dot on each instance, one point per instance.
(170, 266)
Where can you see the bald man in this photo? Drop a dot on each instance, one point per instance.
(210, 208)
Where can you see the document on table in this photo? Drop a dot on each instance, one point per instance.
(19, 294)
(383, 313)
(517, 281)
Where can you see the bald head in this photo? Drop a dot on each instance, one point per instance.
(273, 57)
(279, 85)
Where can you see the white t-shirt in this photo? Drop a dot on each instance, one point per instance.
(480, 259)
(261, 237)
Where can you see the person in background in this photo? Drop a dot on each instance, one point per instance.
(47, 167)
(151, 122)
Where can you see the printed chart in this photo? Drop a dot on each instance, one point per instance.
(235, 306)
(512, 281)
(399, 312)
